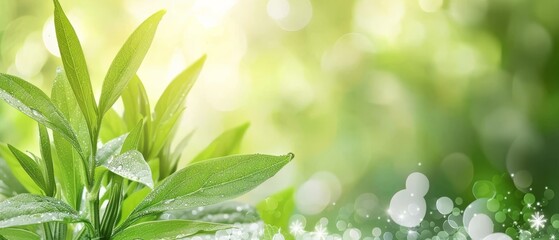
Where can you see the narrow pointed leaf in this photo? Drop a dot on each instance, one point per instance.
(27, 209)
(48, 167)
(227, 143)
(69, 166)
(127, 61)
(210, 182)
(130, 165)
(31, 167)
(34, 103)
(172, 99)
(16, 233)
(75, 66)
(169, 229)
(163, 135)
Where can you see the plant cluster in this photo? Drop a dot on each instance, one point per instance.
(103, 176)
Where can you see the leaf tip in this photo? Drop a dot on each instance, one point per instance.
(290, 156)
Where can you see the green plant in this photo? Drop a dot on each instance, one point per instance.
(136, 165)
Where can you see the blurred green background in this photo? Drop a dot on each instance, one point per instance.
(363, 92)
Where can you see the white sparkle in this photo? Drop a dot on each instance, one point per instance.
(296, 228)
(320, 232)
(537, 221)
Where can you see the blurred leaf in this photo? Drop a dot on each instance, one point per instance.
(27, 209)
(168, 229)
(136, 103)
(31, 167)
(171, 103)
(174, 157)
(133, 139)
(69, 166)
(227, 143)
(130, 165)
(127, 61)
(112, 126)
(31, 101)
(270, 231)
(16, 233)
(50, 182)
(9, 186)
(75, 66)
(210, 182)
(19, 173)
(277, 209)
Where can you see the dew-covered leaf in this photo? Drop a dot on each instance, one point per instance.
(168, 229)
(69, 166)
(127, 61)
(34, 103)
(75, 66)
(27, 209)
(110, 149)
(209, 182)
(16, 233)
(130, 165)
(225, 144)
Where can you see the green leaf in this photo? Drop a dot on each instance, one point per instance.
(31, 167)
(168, 229)
(132, 201)
(277, 209)
(69, 166)
(9, 186)
(27, 209)
(50, 182)
(163, 134)
(226, 144)
(171, 103)
(75, 66)
(210, 182)
(174, 157)
(130, 165)
(112, 126)
(127, 61)
(19, 173)
(228, 213)
(16, 233)
(133, 139)
(110, 149)
(136, 103)
(34, 103)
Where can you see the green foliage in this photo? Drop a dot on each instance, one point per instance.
(134, 158)
(277, 209)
